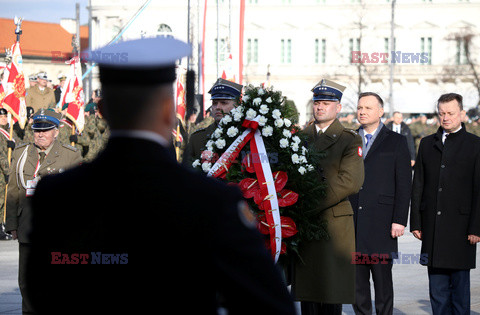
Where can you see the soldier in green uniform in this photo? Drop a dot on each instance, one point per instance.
(30, 163)
(5, 143)
(225, 96)
(326, 278)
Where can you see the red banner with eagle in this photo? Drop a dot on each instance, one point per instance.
(73, 95)
(14, 100)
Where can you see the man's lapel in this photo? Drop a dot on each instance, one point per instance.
(378, 141)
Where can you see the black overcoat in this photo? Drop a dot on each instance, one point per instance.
(446, 198)
(157, 237)
(385, 195)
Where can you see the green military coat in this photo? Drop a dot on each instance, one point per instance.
(327, 274)
(59, 158)
(196, 144)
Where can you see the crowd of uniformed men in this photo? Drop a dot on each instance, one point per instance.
(42, 94)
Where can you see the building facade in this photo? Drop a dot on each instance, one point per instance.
(436, 45)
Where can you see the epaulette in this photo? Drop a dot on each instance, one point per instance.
(201, 129)
(69, 147)
(22, 145)
(353, 132)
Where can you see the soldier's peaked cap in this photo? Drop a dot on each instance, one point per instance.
(146, 61)
(225, 90)
(327, 90)
(46, 119)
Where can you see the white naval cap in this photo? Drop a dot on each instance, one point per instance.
(139, 61)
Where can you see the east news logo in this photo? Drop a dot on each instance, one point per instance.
(92, 258)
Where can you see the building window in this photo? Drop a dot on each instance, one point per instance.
(354, 45)
(320, 50)
(386, 44)
(220, 50)
(461, 57)
(426, 47)
(252, 50)
(286, 51)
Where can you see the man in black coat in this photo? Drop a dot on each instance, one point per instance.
(380, 207)
(445, 207)
(402, 128)
(154, 238)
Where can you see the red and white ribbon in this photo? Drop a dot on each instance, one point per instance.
(264, 177)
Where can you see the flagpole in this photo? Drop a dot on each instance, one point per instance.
(18, 32)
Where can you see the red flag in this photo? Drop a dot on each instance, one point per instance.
(14, 101)
(181, 102)
(73, 94)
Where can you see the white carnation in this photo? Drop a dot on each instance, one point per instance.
(245, 98)
(239, 109)
(218, 133)
(287, 133)
(232, 131)
(257, 101)
(296, 139)
(263, 109)
(267, 131)
(251, 114)
(302, 159)
(287, 122)
(261, 91)
(220, 143)
(225, 120)
(196, 163)
(295, 158)
(237, 116)
(268, 100)
(294, 146)
(302, 170)
(278, 123)
(304, 150)
(276, 114)
(262, 120)
(310, 167)
(206, 166)
(283, 143)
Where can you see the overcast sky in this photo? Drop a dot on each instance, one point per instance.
(43, 10)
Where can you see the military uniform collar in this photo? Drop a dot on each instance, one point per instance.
(334, 130)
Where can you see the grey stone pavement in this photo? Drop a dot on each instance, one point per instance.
(410, 282)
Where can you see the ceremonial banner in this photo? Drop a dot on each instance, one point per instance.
(73, 94)
(180, 99)
(14, 101)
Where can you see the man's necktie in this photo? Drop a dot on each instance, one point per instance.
(319, 132)
(42, 157)
(445, 138)
(368, 136)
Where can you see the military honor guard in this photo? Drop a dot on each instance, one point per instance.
(40, 95)
(326, 278)
(30, 163)
(225, 95)
(198, 239)
(445, 207)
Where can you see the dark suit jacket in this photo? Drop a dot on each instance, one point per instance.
(177, 239)
(446, 198)
(385, 195)
(405, 131)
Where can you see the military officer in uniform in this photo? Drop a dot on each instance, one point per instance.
(225, 95)
(326, 278)
(30, 163)
(194, 250)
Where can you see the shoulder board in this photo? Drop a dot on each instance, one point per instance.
(21, 146)
(69, 147)
(353, 132)
(198, 130)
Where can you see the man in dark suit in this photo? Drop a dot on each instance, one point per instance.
(195, 238)
(402, 128)
(445, 210)
(380, 207)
